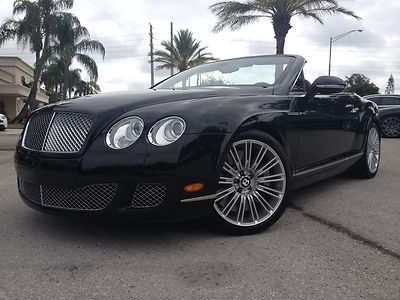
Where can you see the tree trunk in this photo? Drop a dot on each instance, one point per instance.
(30, 101)
(66, 82)
(282, 26)
(280, 44)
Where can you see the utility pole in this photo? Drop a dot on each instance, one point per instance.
(172, 44)
(151, 55)
(330, 55)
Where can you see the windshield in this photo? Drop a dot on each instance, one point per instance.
(261, 71)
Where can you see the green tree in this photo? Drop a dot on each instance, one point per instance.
(361, 85)
(53, 78)
(235, 14)
(390, 86)
(184, 53)
(87, 88)
(34, 30)
(73, 43)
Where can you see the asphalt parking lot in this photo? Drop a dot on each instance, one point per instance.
(340, 239)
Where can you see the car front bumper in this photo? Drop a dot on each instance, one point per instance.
(142, 183)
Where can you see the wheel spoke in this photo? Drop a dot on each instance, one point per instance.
(264, 202)
(259, 158)
(272, 163)
(253, 209)
(235, 157)
(230, 205)
(226, 181)
(240, 215)
(272, 178)
(223, 194)
(230, 170)
(248, 148)
(269, 191)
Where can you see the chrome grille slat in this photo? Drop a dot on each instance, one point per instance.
(60, 132)
(88, 198)
(149, 195)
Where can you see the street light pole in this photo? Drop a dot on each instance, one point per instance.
(334, 39)
(330, 55)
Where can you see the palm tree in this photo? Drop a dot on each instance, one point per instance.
(184, 53)
(73, 41)
(87, 88)
(52, 78)
(236, 14)
(33, 30)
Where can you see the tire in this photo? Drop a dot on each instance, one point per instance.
(367, 167)
(254, 185)
(391, 127)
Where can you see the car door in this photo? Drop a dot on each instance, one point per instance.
(327, 128)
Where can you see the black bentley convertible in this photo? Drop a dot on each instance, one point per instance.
(230, 139)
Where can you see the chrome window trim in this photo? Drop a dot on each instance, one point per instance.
(297, 77)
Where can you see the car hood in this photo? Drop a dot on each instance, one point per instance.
(130, 100)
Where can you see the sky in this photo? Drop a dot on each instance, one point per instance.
(123, 27)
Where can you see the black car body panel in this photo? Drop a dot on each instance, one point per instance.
(322, 136)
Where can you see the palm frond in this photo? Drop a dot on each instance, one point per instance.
(22, 6)
(235, 14)
(87, 45)
(8, 30)
(89, 64)
(185, 52)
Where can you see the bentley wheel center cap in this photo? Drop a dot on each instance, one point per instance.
(245, 182)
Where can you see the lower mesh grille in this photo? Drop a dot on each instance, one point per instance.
(88, 198)
(149, 195)
(30, 191)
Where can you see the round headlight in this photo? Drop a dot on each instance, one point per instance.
(124, 133)
(167, 131)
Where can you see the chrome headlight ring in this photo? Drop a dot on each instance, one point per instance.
(124, 133)
(167, 131)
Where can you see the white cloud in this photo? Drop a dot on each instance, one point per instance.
(123, 28)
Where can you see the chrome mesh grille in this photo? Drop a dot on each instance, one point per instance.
(30, 191)
(67, 132)
(88, 198)
(149, 195)
(37, 130)
(61, 132)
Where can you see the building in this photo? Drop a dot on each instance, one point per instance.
(15, 77)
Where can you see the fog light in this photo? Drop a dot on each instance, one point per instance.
(195, 187)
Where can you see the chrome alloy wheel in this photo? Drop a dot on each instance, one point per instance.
(373, 150)
(391, 127)
(252, 184)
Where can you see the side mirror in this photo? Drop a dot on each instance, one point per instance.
(326, 85)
